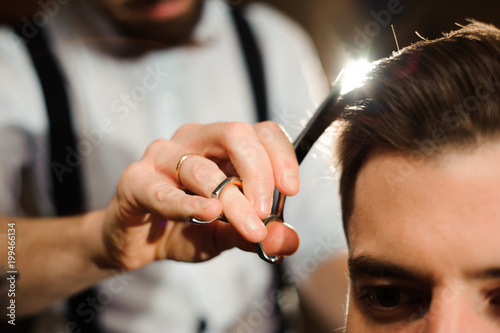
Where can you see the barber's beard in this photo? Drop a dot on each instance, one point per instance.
(144, 36)
(171, 32)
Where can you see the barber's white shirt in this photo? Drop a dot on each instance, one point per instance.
(121, 105)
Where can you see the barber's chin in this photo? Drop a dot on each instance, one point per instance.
(167, 9)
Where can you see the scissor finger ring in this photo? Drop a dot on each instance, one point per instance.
(216, 194)
(277, 215)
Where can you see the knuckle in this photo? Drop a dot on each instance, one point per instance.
(188, 127)
(131, 264)
(156, 146)
(190, 205)
(159, 143)
(271, 125)
(127, 184)
(163, 194)
(207, 176)
(185, 129)
(250, 151)
(236, 131)
(131, 173)
(271, 131)
(201, 172)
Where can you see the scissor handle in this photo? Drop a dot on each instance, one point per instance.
(277, 214)
(216, 194)
(264, 256)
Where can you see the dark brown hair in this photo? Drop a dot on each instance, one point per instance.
(428, 98)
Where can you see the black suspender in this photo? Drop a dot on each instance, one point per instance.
(254, 64)
(67, 187)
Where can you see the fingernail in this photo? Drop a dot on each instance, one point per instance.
(290, 180)
(254, 223)
(263, 205)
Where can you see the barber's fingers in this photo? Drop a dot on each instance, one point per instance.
(202, 176)
(150, 185)
(142, 191)
(188, 242)
(281, 239)
(282, 156)
(239, 143)
(155, 188)
(251, 158)
(195, 172)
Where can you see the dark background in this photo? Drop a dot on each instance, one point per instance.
(335, 24)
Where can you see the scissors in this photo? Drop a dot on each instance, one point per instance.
(326, 114)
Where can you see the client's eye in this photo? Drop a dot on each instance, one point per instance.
(393, 303)
(494, 301)
(385, 297)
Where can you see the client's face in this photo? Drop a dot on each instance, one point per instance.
(425, 244)
(167, 21)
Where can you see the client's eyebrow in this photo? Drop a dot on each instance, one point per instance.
(365, 265)
(490, 273)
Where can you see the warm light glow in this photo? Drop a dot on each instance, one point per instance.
(354, 75)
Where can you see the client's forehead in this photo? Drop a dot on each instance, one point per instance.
(434, 215)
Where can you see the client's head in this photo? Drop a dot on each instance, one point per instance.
(420, 187)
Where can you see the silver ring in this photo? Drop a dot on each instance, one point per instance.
(217, 194)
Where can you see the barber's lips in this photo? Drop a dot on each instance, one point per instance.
(160, 10)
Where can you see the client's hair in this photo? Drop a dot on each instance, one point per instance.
(431, 97)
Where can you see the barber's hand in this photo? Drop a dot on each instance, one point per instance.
(146, 219)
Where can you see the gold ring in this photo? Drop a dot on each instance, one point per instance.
(179, 164)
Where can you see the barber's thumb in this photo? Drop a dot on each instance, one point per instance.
(281, 239)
